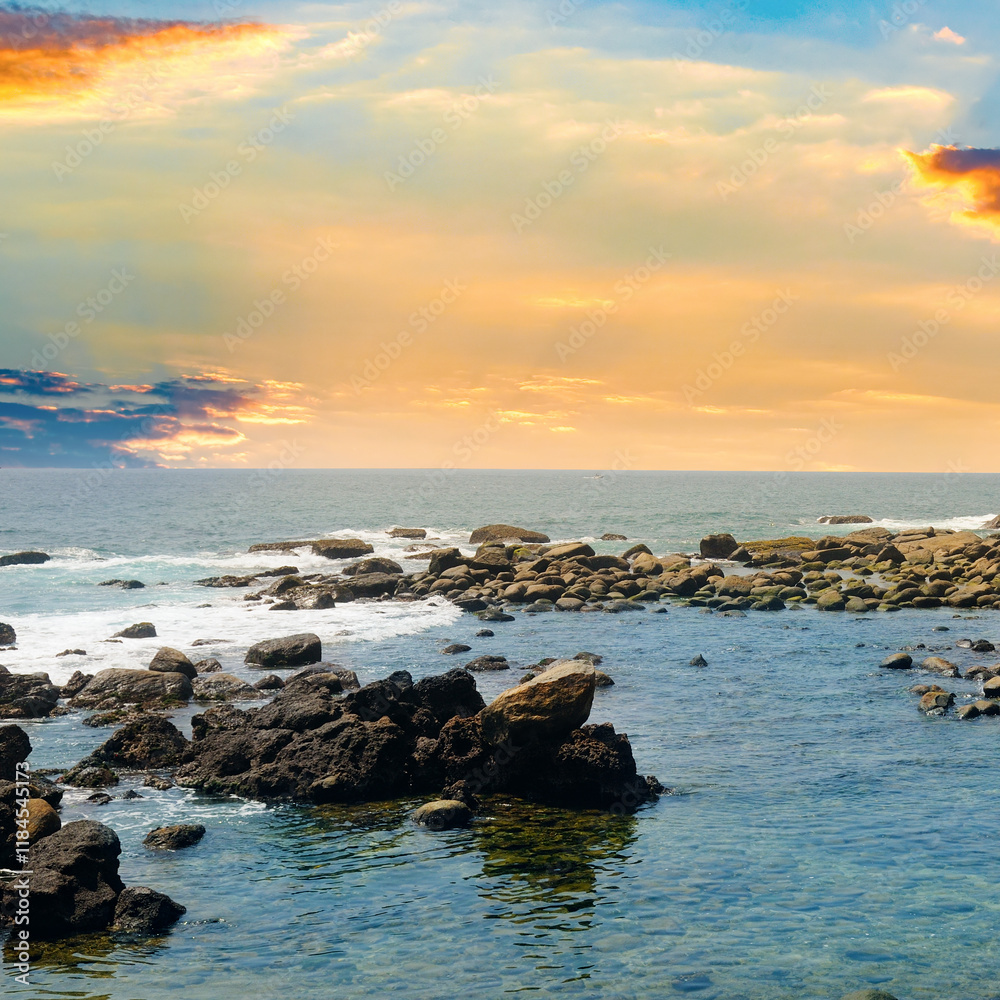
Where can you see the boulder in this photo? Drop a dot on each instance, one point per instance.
(991, 688)
(77, 682)
(174, 838)
(146, 742)
(75, 884)
(544, 709)
(846, 519)
(610, 536)
(443, 814)
(173, 661)
(123, 584)
(272, 682)
(14, 749)
(936, 702)
(208, 666)
(376, 565)
(342, 548)
(717, 546)
(455, 647)
(373, 584)
(407, 533)
(291, 651)
(27, 696)
(115, 686)
(939, 665)
(43, 820)
(444, 559)
(140, 910)
(568, 550)
(482, 664)
(698, 661)
(24, 559)
(646, 565)
(897, 661)
(7, 634)
(224, 687)
(141, 630)
(506, 533)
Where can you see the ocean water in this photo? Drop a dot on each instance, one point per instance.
(823, 835)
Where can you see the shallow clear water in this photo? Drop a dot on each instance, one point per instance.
(824, 835)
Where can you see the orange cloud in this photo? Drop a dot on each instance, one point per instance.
(69, 60)
(967, 181)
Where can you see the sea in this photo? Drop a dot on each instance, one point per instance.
(821, 835)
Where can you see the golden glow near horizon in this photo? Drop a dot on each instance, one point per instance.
(418, 237)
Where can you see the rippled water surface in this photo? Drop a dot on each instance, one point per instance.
(823, 835)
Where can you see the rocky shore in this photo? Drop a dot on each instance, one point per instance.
(871, 569)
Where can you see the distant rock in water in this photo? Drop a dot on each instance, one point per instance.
(124, 584)
(992, 524)
(845, 519)
(142, 630)
(610, 536)
(407, 533)
(24, 558)
(291, 651)
(7, 634)
(506, 533)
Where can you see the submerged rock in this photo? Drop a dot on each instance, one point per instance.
(140, 910)
(24, 559)
(443, 814)
(174, 838)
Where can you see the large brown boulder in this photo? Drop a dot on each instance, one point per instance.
(506, 533)
(378, 564)
(290, 651)
(173, 661)
(113, 687)
(544, 709)
(717, 546)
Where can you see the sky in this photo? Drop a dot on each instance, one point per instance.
(748, 234)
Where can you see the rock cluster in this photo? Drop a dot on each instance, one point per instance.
(74, 883)
(396, 737)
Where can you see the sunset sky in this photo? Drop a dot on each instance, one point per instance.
(759, 234)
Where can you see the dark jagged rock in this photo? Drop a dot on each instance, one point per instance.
(455, 647)
(124, 584)
(394, 737)
(140, 910)
(89, 774)
(373, 584)
(223, 687)
(75, 884)
(142, 630)
(174, 838)
(291, 651)
(146, 742)
(208, 666)
(272, 682)
(14, 749)
(115, 687)
(482, 664)
(27, 696)
(7, 634)
(24, 559)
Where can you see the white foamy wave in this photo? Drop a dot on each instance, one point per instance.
(972, 522)
(41, 636)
